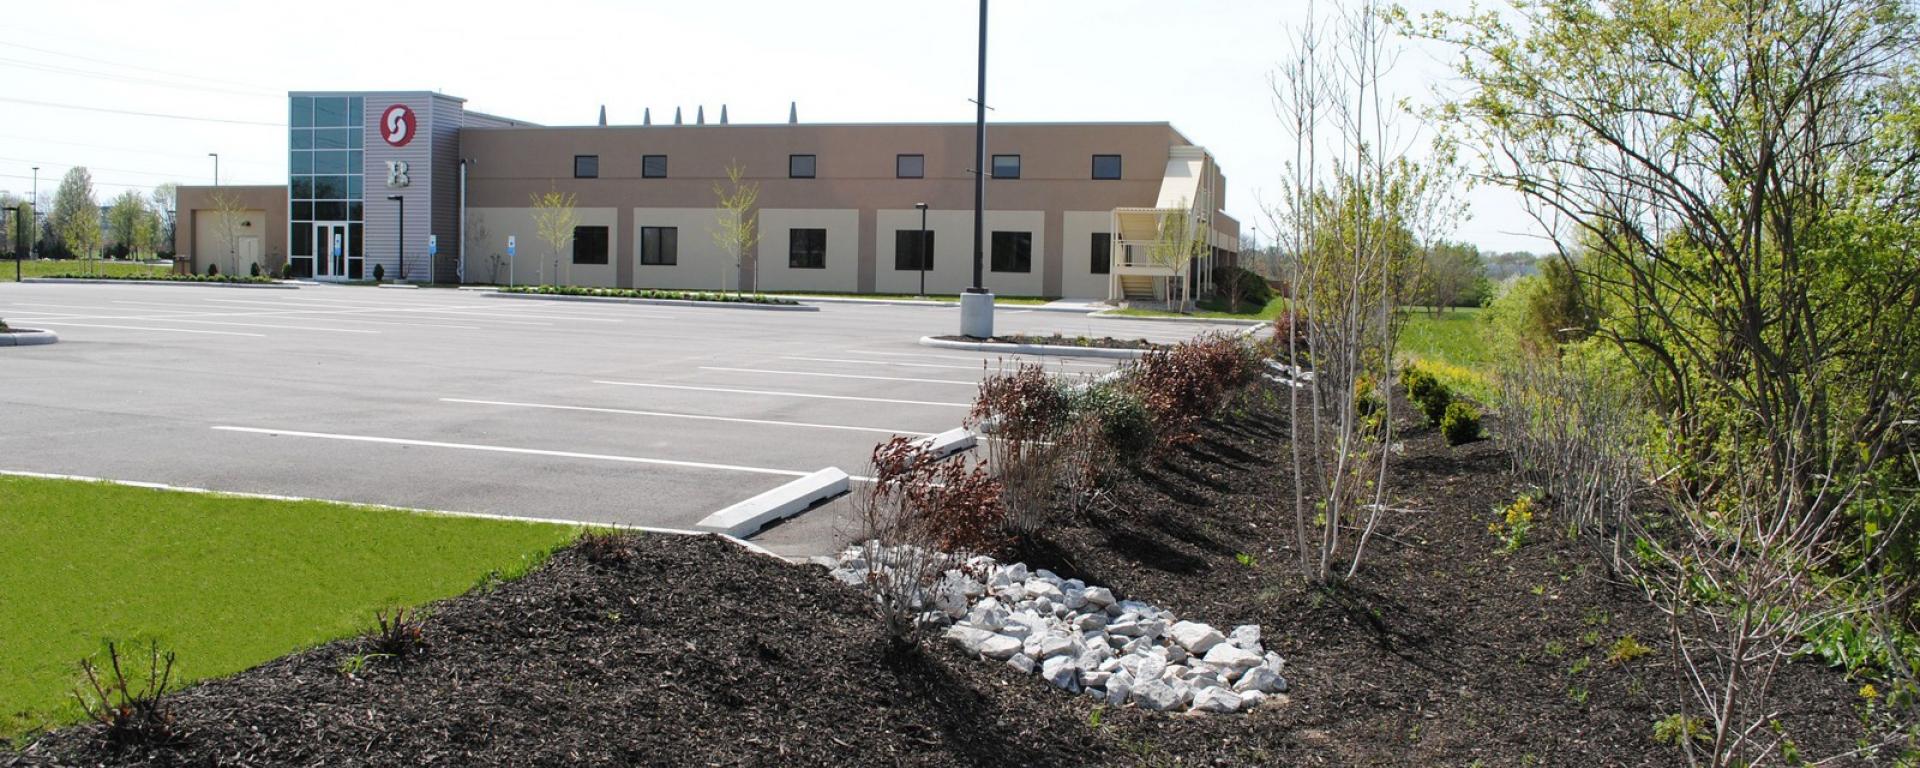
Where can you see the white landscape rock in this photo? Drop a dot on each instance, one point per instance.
(1081, 639)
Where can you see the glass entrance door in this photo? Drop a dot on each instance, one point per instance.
(330, 248)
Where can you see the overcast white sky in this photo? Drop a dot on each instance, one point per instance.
(1201, 64)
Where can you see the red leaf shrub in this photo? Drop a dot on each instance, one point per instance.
(1191, 381)
(951, 505)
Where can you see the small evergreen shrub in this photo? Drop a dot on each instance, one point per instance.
(1461, 423)
(1427, 393)
(379, 272)
(1125, 426)
(254, 269)
(213, 270)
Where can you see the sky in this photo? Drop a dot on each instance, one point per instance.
(1203, 65)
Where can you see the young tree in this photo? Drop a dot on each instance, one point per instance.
(554, 220)
(1452, 275)
(166, 199)
(1175, 246)
(75, 218)
(736, 223)
(124, 217)
(228, 209)
(13, 226)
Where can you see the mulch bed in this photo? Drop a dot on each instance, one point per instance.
(1058, 340)
(694, 651)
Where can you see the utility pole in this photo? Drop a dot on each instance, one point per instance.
(216, 167)
(976, 305)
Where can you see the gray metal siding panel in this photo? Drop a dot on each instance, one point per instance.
(382, 219)
(445, 212)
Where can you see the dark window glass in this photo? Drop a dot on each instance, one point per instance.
(1106, 166)
(354, 138)
(302, 139)
(303, 211)
(908, 249)
(589, 245)
(300, 162)
(586, 167)
(910, 166)
(299, 267)
(1102, 253)
(354, 234)
(354, 212)
(356, 269)
(330, 211)
(330, 138)
(302, 238)
(329, 162)
(800, 166)
(330, 112)
(807, 248)
(660, 245)
(302, 188)
(1006, 166)
(302, 112)
(329, 187)
(653, 166)
(1013, 252)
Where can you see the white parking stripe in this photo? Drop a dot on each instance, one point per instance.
(914, 365)
(521, 451)
(840, 376)
(783, 394)
(145, 328)
(697, 417)
(956, 356)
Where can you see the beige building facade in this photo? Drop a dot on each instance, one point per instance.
(413, 186)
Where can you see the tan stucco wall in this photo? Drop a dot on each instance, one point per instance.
(198, 236)
(533, 261)
(843, 250)
(953, 251)
(1076, 249)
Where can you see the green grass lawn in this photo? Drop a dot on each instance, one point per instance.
(997, 299)
(225, 582)
(1216, 309)
(1452, 347)
(51, 267)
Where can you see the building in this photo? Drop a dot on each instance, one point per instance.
(417, 187)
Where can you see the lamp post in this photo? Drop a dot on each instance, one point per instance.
(33, 238)
(921, 248)
(401, 241)
(976, 305)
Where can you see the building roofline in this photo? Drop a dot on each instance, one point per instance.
(433, 94)
(1044, 123)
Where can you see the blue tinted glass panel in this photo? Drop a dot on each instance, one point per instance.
(300, 162)
(330, 138)
(303, 210)
(335, 211)
(302, 112)
(356, 162)
(329, 187)
(330, 162)
(356, 109)
(302, 139)
(353, 187)
(330, 112)
(354, 138)
(302, 188)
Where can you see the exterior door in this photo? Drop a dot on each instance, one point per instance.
(330, 251)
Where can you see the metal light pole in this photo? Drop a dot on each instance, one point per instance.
(921, 248)
(216, 167)
(976, 305)
(401, 241)
(33, 238)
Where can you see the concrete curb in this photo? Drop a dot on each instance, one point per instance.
(1034, 349)
(480, 288)
(28, 337)
(93, 281)
(742, 543)
(857, 300)
(746, 518)
(398, 286)
(947, 443)
(659, 302)
(1113, 314)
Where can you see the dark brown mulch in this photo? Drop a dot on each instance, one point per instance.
(1058, 340)
(1443, 650)
(695, 652)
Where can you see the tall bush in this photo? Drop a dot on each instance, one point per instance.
(1026, 414)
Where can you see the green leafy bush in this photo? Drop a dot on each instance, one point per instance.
(1427, 393)
(1125, 426)
(213, 270)
(379, 272)
(162, 278)
(1461, 423)
(648, 293)
(1241, 285)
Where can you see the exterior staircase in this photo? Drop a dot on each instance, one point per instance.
(1139, 288)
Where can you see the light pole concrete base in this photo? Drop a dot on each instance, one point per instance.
(976, 315)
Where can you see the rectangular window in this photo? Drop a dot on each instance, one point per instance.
(1013, 251)
(586, 166)
(910, 166)
(909, 249)
(300, 162)
(1102, 253)
(1006, 166)
(1106, 166)
(302, 112)
(653, 166)
(330, 112)
(799, 166)
(660, 246)
(589, 245)
(807, 248)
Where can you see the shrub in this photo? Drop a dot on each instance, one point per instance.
(1125, 426)
(1427, 393)
(1191, 381)
(213, 270)
(1461, 423)
(379, 272)
(1028, 415)
(1239, 286)
(916, 507)
(606, 547)
(254, 269)
(1512, 524)
(399, 635)
(131, 716)
(1290, 327)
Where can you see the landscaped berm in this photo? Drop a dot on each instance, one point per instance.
(1137, 510)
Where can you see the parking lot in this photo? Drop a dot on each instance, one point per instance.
(453, 400)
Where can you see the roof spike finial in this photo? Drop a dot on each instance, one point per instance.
(676, 116)
(700, 115)
(603, 115)
(646, 117)
(723, 114)
(793, 113)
